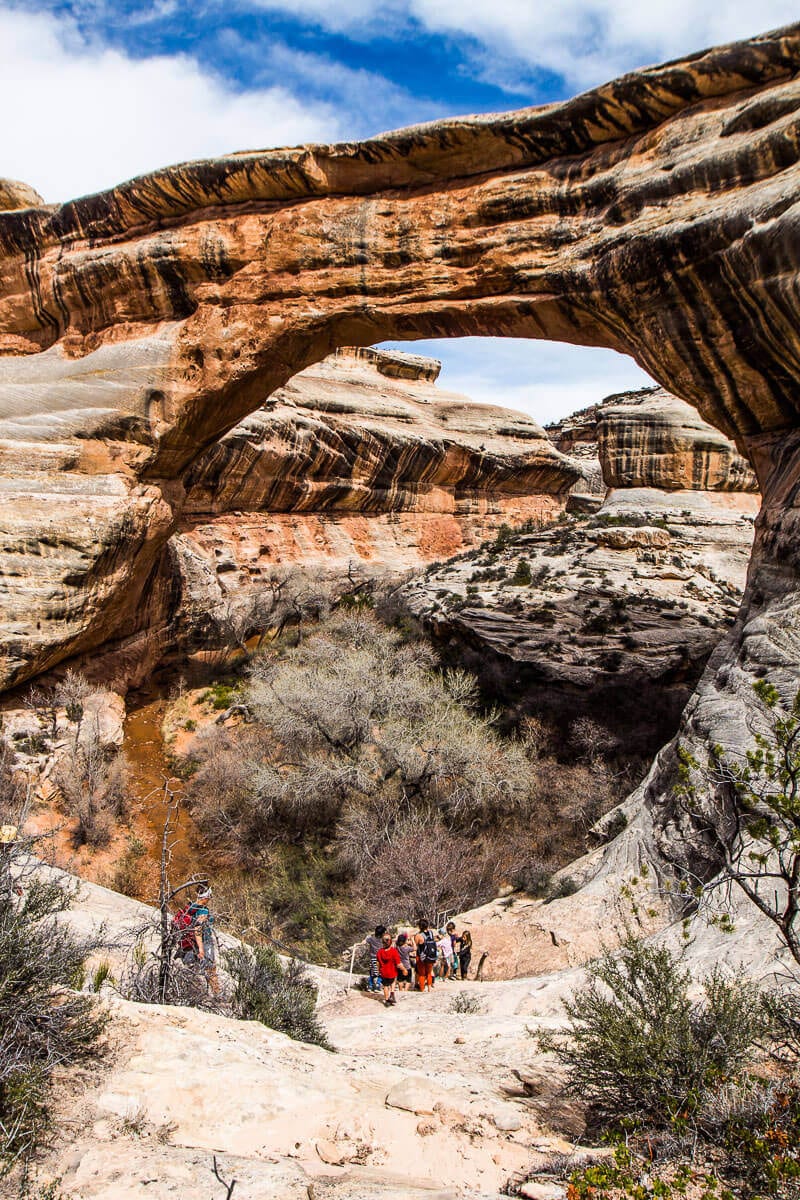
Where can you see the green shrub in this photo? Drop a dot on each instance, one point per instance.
(522, 575)
(639, 1049)
(43, 1023)
(101, 974)
(281, 997)
(220, 696)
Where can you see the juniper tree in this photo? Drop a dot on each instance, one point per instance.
(748, 804)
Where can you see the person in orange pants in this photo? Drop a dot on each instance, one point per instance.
(427, 952)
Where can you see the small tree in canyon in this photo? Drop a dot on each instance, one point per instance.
(748, 806)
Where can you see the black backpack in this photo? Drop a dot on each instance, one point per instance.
(428, 951)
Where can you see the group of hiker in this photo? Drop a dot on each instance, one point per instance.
(402, 962)
(412, 961)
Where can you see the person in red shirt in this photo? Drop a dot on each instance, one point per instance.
(388, 962)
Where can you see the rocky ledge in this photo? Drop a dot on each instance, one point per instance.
(612, 615)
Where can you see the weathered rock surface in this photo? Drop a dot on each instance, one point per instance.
(656, 215)
(625, 608)
(361, 457)
(14, 194)
(653, 439)
(370, 433)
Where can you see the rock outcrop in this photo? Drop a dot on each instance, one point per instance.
(360, 459)
(14, 195)
(612, 616)
(655, 215)
(653, 439)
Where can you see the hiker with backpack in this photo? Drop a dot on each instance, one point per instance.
(195, 928)
(427, 953)
(183, 934)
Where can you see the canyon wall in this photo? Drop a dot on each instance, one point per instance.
(360, 461)
(615, 613)
(656, 215)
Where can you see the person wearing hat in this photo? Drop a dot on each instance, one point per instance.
(203, 926)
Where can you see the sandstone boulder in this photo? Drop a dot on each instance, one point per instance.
(14, 194)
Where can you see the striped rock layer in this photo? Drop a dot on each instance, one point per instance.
(657, 215)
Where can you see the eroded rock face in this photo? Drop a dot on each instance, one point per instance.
(616, 617)
(653, 439)
(656, 215)
(371, 433)
(361, 458)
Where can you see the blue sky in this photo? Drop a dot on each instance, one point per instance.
(107, 89)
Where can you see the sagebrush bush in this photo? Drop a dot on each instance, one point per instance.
(639, 1049)
(281, 997)
(92, 780)
(44, 1023)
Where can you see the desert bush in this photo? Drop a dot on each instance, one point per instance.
(782, 1011)
(352, 716)
(280, 996)
(533, 874)
(426, 868)
(92, 780)
(142, 980)
(127, 876)
(44, 1023)
(465, 1002)
(639, 1049)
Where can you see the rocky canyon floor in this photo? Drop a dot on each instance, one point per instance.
(417, 1100)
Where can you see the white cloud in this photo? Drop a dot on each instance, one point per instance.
(547, 380)
(366, 101)
(586, 42)
(590, 41)
(88, 116)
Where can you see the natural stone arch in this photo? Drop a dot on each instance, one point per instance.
(655, 215)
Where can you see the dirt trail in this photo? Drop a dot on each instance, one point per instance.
(151, 782)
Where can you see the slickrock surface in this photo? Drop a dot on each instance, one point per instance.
(400, 1111)
(418, 1101)
(656, 215)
